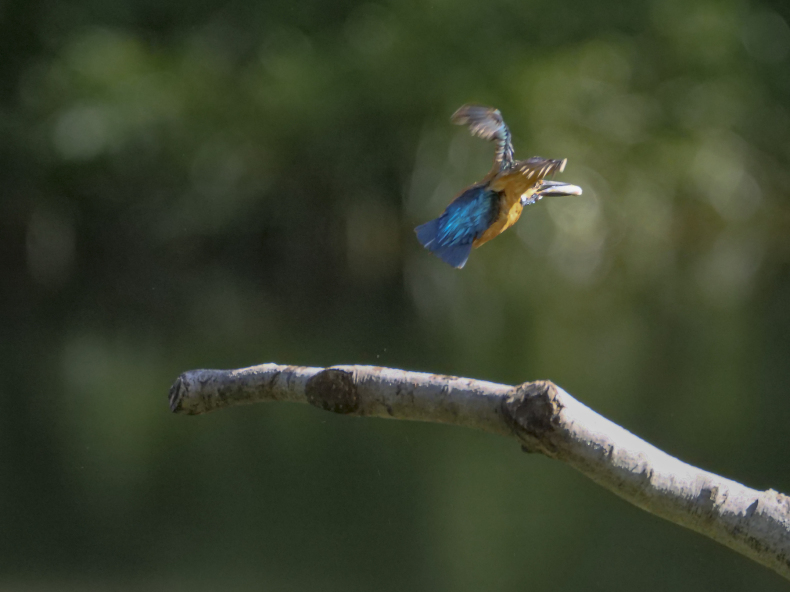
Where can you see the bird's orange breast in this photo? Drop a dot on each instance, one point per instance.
(511, 187)
(509, 213)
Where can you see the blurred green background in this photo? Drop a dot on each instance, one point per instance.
(220, 184)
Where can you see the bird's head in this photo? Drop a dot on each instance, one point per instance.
(538, 168)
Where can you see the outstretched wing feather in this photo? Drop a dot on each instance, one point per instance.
(487, 123)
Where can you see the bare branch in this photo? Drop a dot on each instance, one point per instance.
(543, 418)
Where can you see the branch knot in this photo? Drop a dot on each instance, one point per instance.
(533, 412)
(333, 390)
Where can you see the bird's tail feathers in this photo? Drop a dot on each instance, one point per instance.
(455, 255)
(427, 233)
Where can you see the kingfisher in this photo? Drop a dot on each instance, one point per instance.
(488, 208)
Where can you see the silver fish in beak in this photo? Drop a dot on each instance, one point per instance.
(549, 188)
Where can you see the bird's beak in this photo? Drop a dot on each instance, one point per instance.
(551, 188)
(557, 188)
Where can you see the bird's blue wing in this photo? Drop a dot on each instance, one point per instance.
(450, 236)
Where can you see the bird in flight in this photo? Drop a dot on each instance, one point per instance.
(488, 208)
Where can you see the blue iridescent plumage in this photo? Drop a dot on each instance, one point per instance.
(450, 236)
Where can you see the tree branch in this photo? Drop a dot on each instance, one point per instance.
(543, 418)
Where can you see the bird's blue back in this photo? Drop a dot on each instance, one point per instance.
(450, 236)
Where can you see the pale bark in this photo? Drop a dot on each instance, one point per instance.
(543, 418)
